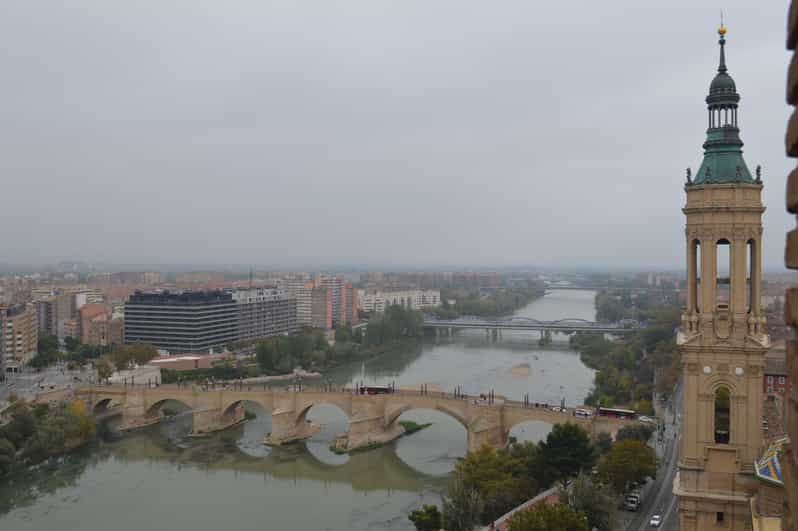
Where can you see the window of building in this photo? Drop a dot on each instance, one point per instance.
(719, 517)
(781, 380)
(770, 390)
(722, 415)
(770, 380)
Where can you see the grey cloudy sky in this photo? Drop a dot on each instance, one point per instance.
(365, 132)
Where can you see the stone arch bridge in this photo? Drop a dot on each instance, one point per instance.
(372, 418)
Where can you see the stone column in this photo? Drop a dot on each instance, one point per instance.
(493, 436)
(214, 419)
(737, 299)
(691, 276)
(756, 278)
(367, 425)
(710, 276)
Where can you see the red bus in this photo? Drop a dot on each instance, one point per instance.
(375, 390)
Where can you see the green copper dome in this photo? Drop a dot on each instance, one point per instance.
(722, 84)
(723, 155)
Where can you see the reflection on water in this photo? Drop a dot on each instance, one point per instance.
(333, 422)
(158, 478)
(435, 449)
(255, 430)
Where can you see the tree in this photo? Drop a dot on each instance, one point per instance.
(47, 343)
(597, 503)
(22, 426)
(428, 518)
(499, 477)
(265, 354)
(637, 432)
(545, 517)
(566, 451)
(136, 354)
(461, 507)
(628, 460)
(44, 359)
(603, 442)
(104, 369)
(7, 456)
(72, 344)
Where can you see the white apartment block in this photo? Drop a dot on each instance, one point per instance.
(377, 301)
(302, 291)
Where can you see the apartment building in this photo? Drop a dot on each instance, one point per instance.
(19, 326)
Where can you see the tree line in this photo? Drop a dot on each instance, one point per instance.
(625, 367)
(310, 350)
(496, 303)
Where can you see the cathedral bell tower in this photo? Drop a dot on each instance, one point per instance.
(722, 336)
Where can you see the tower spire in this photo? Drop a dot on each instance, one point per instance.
(722, 42)
(723, 157)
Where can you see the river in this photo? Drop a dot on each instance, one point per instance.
(159, 479)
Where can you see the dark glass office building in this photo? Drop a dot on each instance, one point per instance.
(192, 321)
(196, 321)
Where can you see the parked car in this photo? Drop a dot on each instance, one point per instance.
(649, 420)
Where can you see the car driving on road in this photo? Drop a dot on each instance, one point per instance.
(656, 520)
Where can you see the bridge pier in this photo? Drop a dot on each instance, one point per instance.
(287, 428)
(366, 432)
(213, 419)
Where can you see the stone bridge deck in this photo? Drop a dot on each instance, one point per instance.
(372, 418)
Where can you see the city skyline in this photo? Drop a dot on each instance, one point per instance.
(379, 137)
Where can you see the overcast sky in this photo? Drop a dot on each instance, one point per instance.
(373, 132)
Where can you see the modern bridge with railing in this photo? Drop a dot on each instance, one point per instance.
(528, 323)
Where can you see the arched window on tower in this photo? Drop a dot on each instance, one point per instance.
(722, 415)
(723, 266)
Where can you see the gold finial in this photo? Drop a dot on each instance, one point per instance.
(722, 28)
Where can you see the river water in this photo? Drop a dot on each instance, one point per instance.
(159, 479)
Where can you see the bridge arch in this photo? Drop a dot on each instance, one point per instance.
(434, 450)
(229, 407)
(155, 409)
(394, 416)
(103, 404)
(568, 320)
(302, 415)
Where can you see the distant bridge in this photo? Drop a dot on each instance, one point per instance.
(605, 287)
(528, 323)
